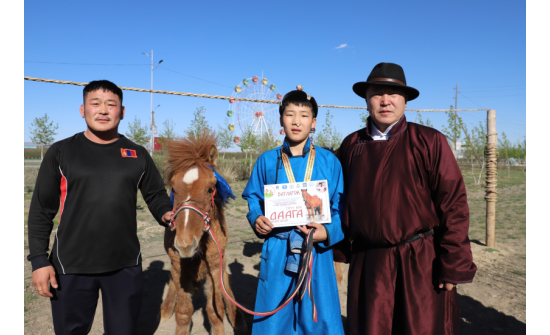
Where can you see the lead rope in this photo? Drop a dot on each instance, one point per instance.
(307, 178)
(305, 271)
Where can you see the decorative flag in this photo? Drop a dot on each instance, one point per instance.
(128, 153)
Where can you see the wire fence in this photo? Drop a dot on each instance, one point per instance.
(237, 166)
(502, 163)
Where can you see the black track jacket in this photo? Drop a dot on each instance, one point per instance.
(94, 187)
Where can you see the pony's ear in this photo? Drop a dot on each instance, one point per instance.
(213, 155)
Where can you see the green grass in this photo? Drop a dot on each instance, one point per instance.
(491, 250)
(519, 272)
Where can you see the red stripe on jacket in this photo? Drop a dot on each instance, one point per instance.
(63, 188)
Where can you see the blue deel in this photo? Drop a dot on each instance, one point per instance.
(275, 283)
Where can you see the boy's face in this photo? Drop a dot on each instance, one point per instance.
(297, 122)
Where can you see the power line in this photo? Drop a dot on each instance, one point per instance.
(137, 64)
(469, 99)
(96, 64)
(493, 86)
(498, 96)
(497, 90)
(187, 75)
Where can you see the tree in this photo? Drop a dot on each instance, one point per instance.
(137, 133)
(249, 141)
(454, 129)
(509, 150)
(198, 124)
(476, 141)
(168, 132)
(328, 136)
(266, 142)
(427, 124)
(225, 136)
(504, 146)
(43, 131)
(363, 116)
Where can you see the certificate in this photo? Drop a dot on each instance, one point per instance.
(296, 204)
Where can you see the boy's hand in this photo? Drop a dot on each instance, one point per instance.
(448, 286)
(320, 233)
(262, 225)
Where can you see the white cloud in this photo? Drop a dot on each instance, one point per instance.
(342, 46)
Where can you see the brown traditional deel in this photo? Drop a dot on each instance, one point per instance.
(193, 255)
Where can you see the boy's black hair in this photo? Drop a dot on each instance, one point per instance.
(299, 98)
(102, 85)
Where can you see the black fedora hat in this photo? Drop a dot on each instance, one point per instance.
(386, 74)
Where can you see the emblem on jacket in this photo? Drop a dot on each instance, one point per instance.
(128, 153)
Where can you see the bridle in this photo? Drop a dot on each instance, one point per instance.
(304, 276)
(205, 215)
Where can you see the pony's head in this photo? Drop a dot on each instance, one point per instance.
(193, 183)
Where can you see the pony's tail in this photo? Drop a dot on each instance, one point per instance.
(169, 303)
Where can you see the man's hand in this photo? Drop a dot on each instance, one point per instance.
(448, 286)
(166, 219)
(262, 225)
(320, 233)
(40, 278)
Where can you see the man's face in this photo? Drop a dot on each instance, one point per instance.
(102, 111)
(386, 105)
(297, 122)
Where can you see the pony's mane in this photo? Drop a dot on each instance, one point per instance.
(191, 151)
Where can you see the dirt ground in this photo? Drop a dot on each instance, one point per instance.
(494, 303)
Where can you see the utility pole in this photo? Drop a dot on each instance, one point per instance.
(152, 126)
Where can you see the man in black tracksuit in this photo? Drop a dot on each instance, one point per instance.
(92, 179)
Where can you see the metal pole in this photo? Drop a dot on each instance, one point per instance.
(491, 177)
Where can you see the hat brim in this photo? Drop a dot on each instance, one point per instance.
(360, 89)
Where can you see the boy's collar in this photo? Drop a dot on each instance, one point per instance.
(286, 147)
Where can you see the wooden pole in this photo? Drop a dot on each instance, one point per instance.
(491, 177)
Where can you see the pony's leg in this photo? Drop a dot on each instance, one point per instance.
(234, 314)
(184, 310)
(214, 302)
(339, 272)
(167, 307)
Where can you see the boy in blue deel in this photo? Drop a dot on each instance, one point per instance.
(279, 265)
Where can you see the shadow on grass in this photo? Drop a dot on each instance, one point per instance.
(155, 278)
(478, 242)
(480, 320)
(244, 285)
(252, 248)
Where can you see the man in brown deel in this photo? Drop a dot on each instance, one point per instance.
(405, 215)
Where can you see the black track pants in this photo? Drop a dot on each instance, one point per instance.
(74, 301)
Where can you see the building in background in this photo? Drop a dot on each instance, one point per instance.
(31, 145)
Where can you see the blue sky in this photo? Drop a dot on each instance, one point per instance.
(479, 45)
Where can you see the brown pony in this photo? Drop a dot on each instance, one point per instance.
(313, 204)
(193, 254)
